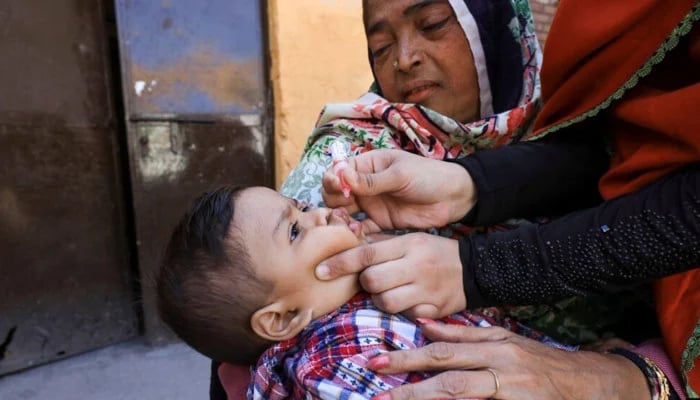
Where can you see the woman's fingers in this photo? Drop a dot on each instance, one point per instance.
(389, 276)
(453, 347)
(368, 174)
(450, 385)
(481, 361)
(397, 296)
(358, 258)
(438, 332)
(332, 193)
(422, 310)
(387, 181)
(438, 356)
(373, 231)
(422, 276)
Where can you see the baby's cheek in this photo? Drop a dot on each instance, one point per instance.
(348, 240)
(339, 241)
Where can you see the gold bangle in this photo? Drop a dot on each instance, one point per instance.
(664, 389)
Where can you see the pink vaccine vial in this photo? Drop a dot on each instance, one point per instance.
(340, 162)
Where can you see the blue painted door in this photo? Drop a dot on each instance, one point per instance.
(195, 83)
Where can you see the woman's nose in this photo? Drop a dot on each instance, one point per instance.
(409, 53)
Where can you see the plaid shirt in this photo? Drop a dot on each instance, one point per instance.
(328, 359)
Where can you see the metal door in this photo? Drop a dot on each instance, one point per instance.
(194, 79)
(66, 283)
(88, 191)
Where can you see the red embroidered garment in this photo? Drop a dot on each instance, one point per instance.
(635, 65)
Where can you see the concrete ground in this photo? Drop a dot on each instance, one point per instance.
(127, 371)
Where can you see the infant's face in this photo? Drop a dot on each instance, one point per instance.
(286, 242)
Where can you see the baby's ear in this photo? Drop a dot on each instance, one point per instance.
(276, 323)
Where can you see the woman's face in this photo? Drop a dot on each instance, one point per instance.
(421, 55)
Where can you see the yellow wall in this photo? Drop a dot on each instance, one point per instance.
(318, 54)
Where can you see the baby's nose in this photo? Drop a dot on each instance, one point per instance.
(322, 216)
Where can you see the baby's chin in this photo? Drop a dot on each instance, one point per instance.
(337, 292)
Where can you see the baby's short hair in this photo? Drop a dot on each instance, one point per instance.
(207, 287)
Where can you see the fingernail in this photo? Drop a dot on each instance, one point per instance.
(426, 321)
(383, 396)
(378, 362)
(323, 272)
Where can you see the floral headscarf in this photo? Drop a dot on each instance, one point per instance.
(507, 57)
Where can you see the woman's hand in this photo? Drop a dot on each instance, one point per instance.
(417, 274)
(496, 363)
(401, 190)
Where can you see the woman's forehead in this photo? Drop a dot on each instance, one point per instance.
(377, 9)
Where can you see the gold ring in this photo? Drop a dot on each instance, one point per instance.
(495, 381)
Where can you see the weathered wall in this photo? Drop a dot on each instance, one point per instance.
(318, 55)
(543, 12)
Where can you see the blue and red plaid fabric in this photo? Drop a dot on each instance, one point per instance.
(328, 359)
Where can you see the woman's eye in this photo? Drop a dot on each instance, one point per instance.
(379, 52)
(294, 232)
(435, 26)
(304, 208)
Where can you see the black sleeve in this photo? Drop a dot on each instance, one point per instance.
(551, 176)
(635, 238)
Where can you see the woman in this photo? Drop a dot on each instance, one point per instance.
(424, 21)
(495, 105)
(631, 72)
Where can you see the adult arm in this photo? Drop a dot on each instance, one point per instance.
(509, 366)
(652, 233)
(649, 234)
(551, 176)
(400, 190)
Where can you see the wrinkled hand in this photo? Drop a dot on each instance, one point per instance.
(401, 190)
(417, 274)
(525, 369)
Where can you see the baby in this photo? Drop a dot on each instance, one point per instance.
(238, 273)
(237, 284)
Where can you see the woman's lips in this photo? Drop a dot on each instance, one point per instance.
(419, 92)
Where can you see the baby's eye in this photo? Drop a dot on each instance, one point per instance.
(294, 232)
(304, 208)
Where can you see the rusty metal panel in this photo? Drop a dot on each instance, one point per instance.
(67, 285)
(66, 280)
(172, 163)
(51, 66)
(190, 58)
(194, 81)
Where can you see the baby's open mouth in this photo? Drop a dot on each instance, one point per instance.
(352, 223)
